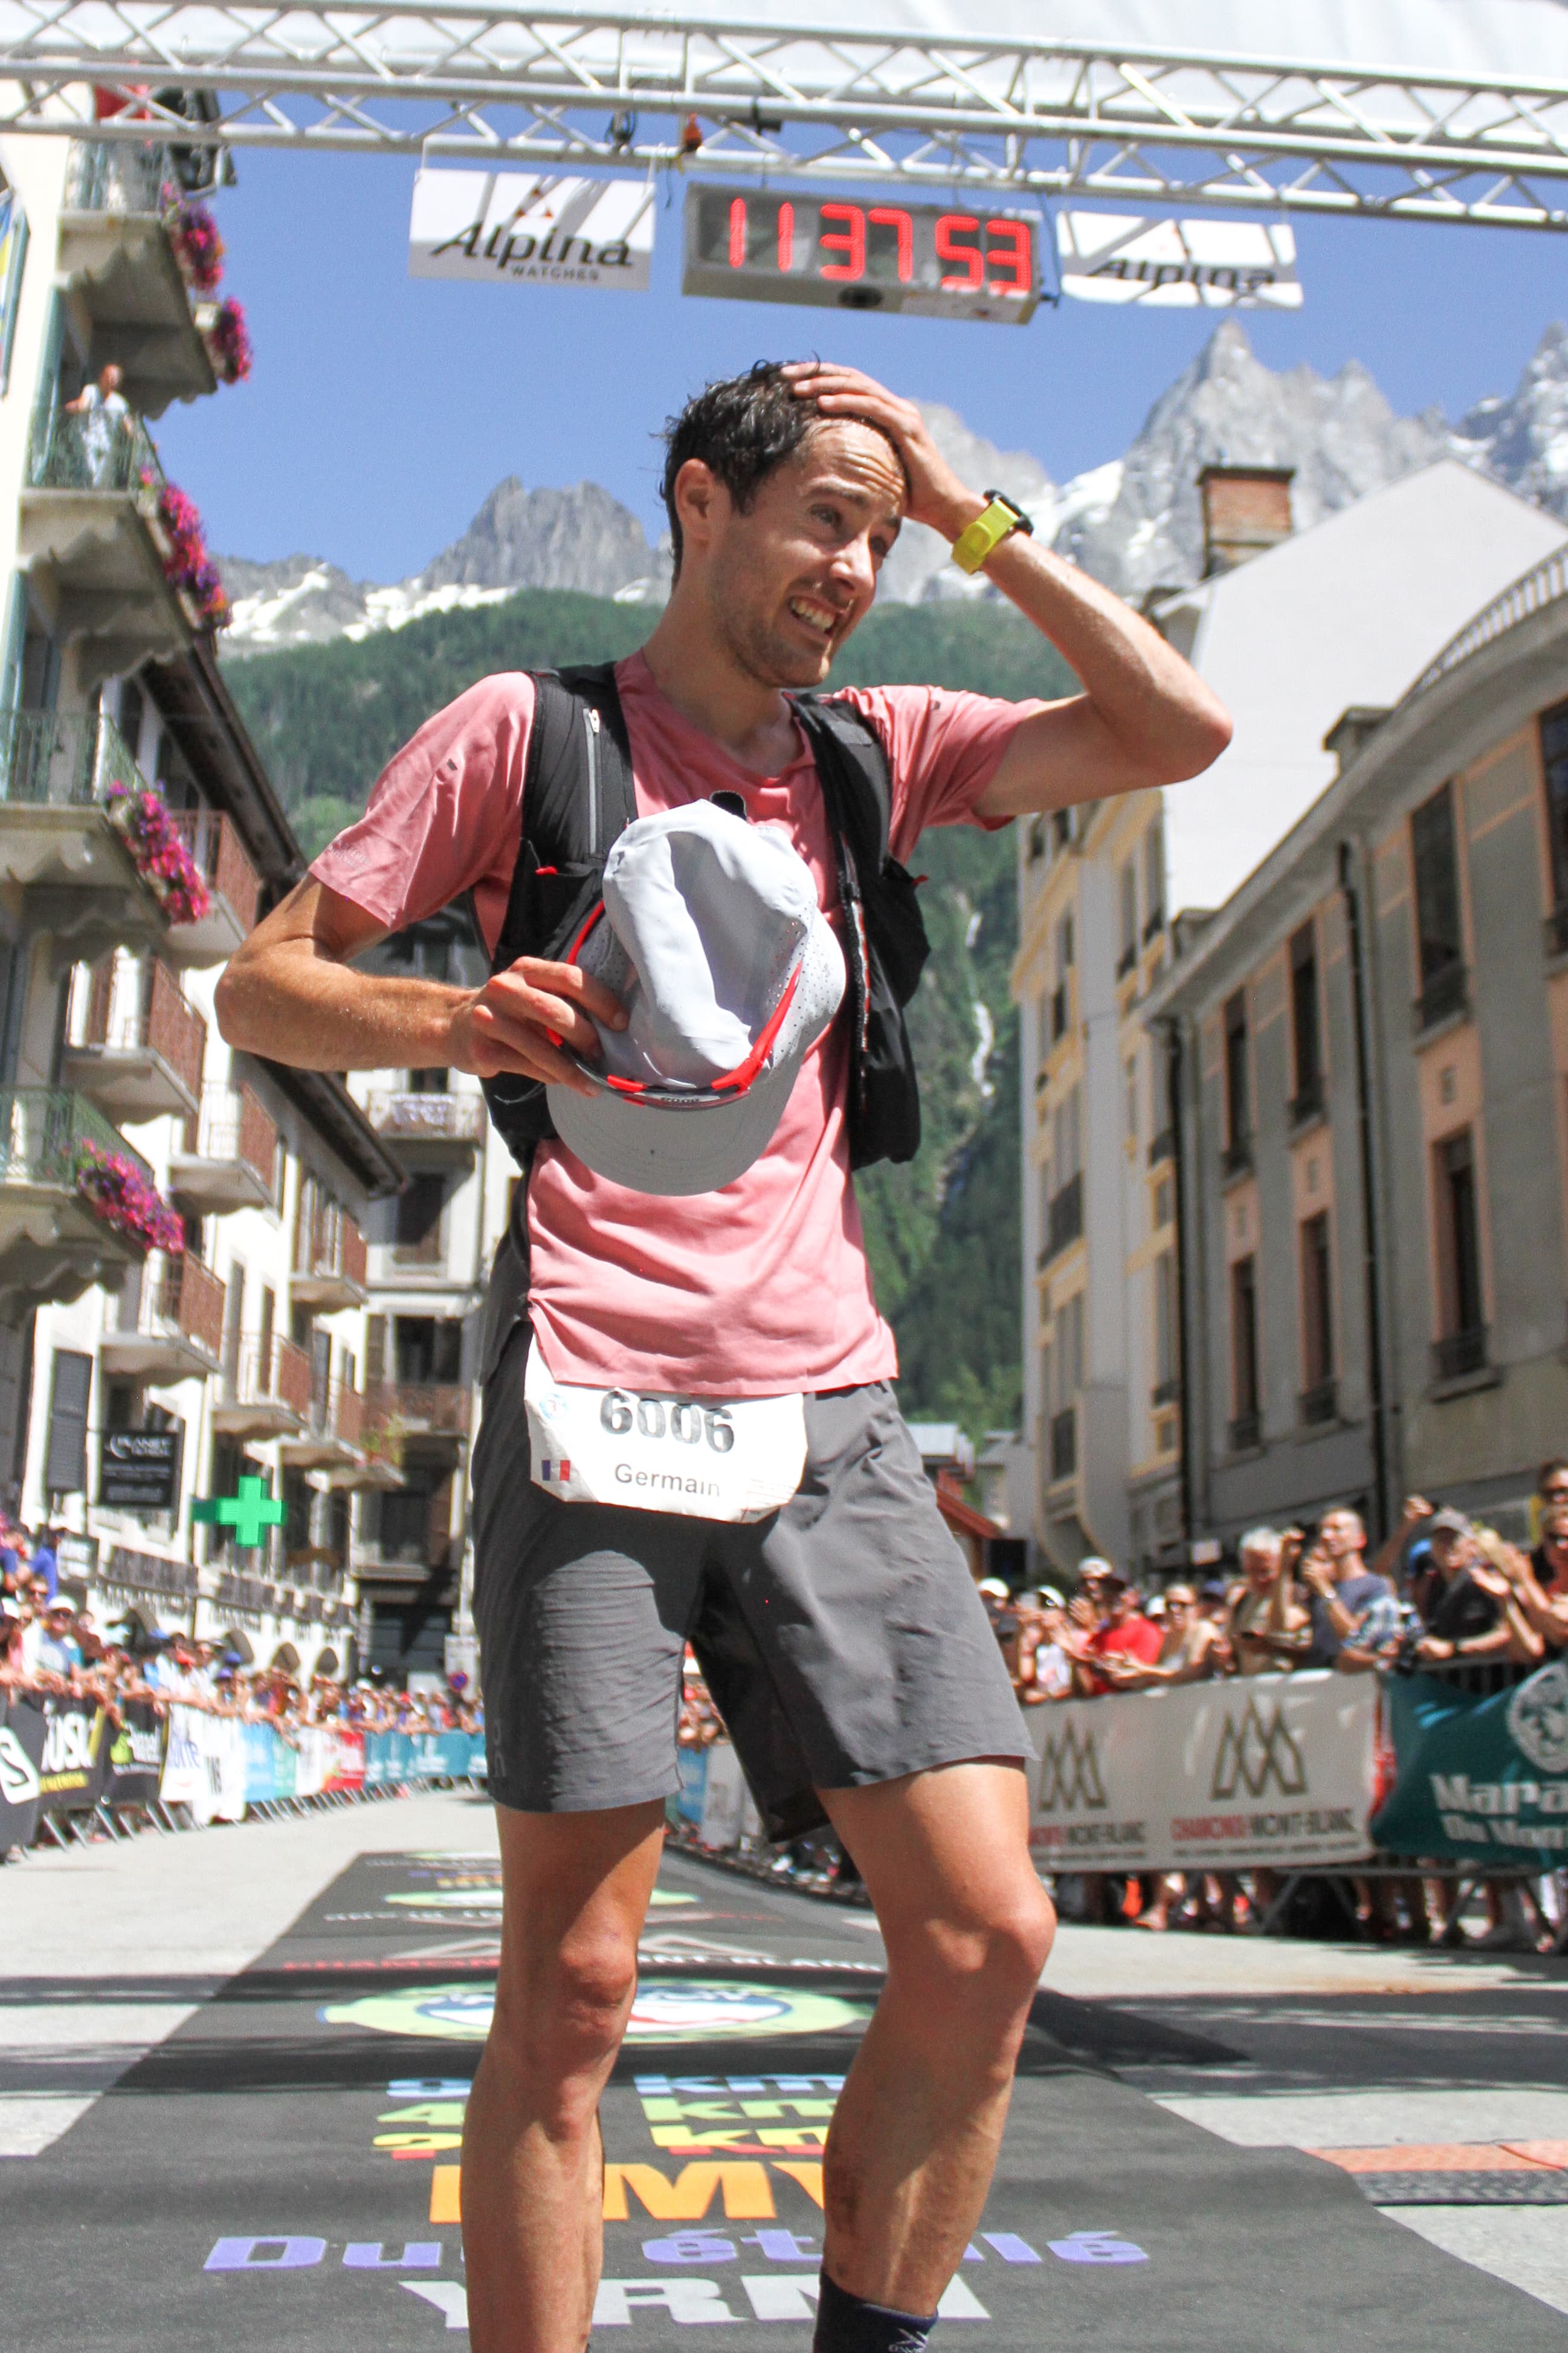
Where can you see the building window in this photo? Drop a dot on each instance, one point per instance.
(1154, 878)
(1129, 956)
(1554, 768)
(1462, 1339)
(1237, 1087)
(1247, 1421)
(1306, 1031)
(417, 1232)
(64, 1459)
(1067, 1356)
(1318, 1400)
(1165, 1379)
(1434, 856)
(1131, 1075)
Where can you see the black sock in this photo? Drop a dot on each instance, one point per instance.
(846, 2324)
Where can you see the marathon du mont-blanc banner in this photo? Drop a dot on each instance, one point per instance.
(1479, 1780)
(1265, 1769)
(530, 229)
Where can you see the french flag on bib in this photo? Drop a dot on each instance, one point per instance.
(553, 1472)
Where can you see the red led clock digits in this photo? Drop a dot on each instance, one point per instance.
(850, 241)
(890, 216)
(949, 229)
(1010, 271)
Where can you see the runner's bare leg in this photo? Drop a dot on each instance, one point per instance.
(575, 1890)
(968, 1926)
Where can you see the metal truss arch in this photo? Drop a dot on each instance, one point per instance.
(795, 103)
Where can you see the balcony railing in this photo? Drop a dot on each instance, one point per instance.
(43, 1130)
(1459, 1353)
(69, 761)
(1064, 1442)
(220, 858)
(1236, 1160)
(270, 1371)
(1319, 1404)
(1245, 1434)
(1064, 1217)
(1444, 994)
(1307, 1103)
(167, 1024)
(235, 1127)
(443, 1407)
(427, 1119)
(93, 451)
(111, 176)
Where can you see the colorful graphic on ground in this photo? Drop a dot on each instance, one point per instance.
(667, 2009)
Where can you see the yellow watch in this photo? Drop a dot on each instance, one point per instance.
(985, 535)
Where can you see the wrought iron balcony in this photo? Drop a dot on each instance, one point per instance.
(332, 1274)
(421, 1409)
(267, 1394)
(1307, 1103)
(428, 1131)
(1444, 995)
(1245, 1434)
(170, 1327)
(119, 261)
(141, 1059)
(233, 888)
(89, 529)
(1459, 1353)
(333, 1435)
(54, 1243)
(1319, 1404)
(233, 1162)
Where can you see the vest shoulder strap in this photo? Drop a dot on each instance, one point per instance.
(578, 793)
(853, 766)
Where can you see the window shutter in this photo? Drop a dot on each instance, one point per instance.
(65, 1462)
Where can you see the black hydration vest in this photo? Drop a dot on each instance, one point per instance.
(578, 797)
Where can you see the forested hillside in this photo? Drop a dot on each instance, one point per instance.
(942, 1232)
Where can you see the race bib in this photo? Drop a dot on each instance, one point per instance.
(706, 1458)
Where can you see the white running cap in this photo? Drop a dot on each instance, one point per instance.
(711, 936)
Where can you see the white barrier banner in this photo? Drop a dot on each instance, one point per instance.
(1264, 1769)
(1217, 265)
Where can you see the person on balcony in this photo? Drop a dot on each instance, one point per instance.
(106, 422)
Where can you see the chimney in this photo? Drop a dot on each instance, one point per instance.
(1247, 510)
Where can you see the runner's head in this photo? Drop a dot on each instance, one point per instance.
(780, 519)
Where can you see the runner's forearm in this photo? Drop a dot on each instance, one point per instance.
(300, 1008)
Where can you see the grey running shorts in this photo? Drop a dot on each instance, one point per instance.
(842, 1638)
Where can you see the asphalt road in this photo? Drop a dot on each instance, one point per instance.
(233, 2068)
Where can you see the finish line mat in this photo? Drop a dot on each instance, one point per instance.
(280, 2175)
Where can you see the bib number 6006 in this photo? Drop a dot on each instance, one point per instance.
(681, 1419)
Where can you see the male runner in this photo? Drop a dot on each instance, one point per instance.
(863, 1652)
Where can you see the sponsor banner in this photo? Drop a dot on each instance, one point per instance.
(135, 1756)
(23, 1732)
(1270, 1770)
(206, 1764)
(528, 228)
(691, 1765)
(261, 1746)
(345, 1768)
(1216, 264)
(75, 1761)
(1479, 1780)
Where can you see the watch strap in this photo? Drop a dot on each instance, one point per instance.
(996, 521)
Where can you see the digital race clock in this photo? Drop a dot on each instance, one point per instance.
(935, 261)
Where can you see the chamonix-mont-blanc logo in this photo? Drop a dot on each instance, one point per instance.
(1255, 1749)
(1069, 1772)
(1538, 1718)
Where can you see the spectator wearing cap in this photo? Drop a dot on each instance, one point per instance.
(1123, 1634)
(1466, 1616)
(49, 1646)
(44, 1562)
(1355, 1612)
(1270, 1629)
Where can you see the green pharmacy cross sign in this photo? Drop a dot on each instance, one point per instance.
(247, 1514)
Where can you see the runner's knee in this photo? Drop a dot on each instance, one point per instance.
(563, 2013)
(983, 1960)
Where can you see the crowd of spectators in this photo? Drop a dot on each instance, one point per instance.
(52, 1648)
(1444, 1594)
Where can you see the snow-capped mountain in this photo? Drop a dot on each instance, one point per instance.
(1134, 522)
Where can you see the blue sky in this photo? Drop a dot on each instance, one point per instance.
(382, 408)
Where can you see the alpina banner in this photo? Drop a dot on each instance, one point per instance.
(1219, 265)
(529, 229)
(1273, 1769)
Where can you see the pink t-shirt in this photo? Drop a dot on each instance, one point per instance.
(761, 1288)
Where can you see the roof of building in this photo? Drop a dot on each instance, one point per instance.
(191, 693)
(1345, 613)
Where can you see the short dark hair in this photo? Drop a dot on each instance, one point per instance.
(743, 428)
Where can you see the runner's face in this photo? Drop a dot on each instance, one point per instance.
(793, 573)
